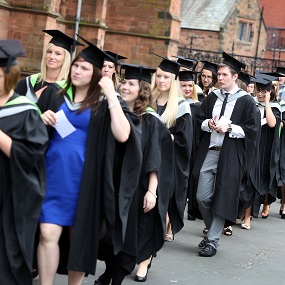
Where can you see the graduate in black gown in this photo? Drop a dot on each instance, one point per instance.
(112, 160)
(225, 162)
(187, 83)
(23, 140)
(269, 144)
(147, 217)
(175, 113)
(55, 65)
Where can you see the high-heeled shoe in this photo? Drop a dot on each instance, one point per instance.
(99, 282)
(143, 278)
(168, 237)
(35, 273)
(265, 213)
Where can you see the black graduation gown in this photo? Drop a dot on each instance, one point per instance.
(157, 156)
(196, 133)
(281, 169)
(236, 168)
(22, 189)
(22, 88)
(109, 181)
(183, 133)
(269, 154)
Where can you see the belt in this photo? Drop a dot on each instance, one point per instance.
(216, 148)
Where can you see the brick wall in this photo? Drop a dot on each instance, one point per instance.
(136, 28)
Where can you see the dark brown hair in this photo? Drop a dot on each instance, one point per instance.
(145, 98)
(212, 84)
(11, 78)
(94, 90)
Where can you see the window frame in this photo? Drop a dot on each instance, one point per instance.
(245, 30)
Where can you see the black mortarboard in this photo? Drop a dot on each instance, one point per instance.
(187, 62)
(280, 69)
(210, 66)
(116, 57)
(264, 81)
(62, 40)
(233, 63)
(133, 71)
(187, 75)
(9, 51)
(275, 74)
(169, 65)
(245, 77)
(93, 54)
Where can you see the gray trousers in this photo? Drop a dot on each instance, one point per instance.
(205, 194)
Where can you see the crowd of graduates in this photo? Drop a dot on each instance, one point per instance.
(99, 158)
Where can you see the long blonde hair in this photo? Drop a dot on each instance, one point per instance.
(64, 69)
(175, 92)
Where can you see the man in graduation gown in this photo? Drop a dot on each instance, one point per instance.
(224, 167)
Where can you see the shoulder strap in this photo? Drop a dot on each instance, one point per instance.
(18, 105)
(232, 97)
(183, 108)
(31, 82)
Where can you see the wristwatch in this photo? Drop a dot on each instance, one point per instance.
(229, 130)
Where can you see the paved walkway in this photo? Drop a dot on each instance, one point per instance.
(255, 256)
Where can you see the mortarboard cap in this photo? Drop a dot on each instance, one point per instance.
(169, 65)
(93, 54)
(245, 77)
(187, 75)
(187, 62)
(275, 74)
(133, 71)
(62, 40)
(280, 69)
(114, 56)
(233, 63)
(264, 81)
(9, 51)
(210, 66)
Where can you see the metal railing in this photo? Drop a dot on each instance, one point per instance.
(252, 63)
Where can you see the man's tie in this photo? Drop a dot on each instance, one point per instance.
(224, 104)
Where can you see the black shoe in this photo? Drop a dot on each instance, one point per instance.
(35, 273)
(283, 216)
(140, 279)
(208, 251)
(99, 282)
(203, 243)
(144, 278)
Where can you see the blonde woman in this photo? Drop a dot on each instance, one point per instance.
(175, 113)
(110, 66)
(55, 66)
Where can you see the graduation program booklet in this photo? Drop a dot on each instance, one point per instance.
(63, 126)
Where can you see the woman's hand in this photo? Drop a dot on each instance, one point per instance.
(149, 201)
(267, 98)
(49, 118)
(107, 86)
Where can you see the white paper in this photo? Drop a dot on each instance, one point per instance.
(63, 126)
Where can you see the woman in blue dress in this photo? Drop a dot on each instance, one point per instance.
(81, 101)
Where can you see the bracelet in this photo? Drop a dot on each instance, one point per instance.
(152, 194)
(114, 104)
(267, 106)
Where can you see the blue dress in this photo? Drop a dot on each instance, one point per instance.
(64, 165)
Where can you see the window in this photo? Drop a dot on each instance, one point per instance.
(245, 32)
